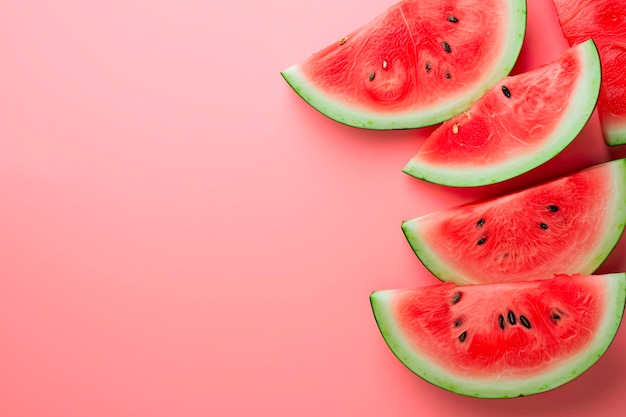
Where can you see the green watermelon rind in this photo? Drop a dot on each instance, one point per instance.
(614, 229)
(423, 367)
(575, 117)
(347, 115)
(614, 134)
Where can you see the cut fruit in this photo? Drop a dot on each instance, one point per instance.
(567, 225)
(502, 340)
(418, 64)
(604, 21)
(522, 122)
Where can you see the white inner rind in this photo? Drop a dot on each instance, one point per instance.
(614, 289)
(342, 113)
(615, 212)
(582, 103)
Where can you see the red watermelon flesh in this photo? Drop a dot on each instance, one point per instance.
(522, 122)
(567, 225)
(605, 22)
(505, 339)
(417, 64)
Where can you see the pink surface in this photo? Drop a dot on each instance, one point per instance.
(181, 235)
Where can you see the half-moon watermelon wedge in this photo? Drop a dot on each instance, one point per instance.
(506, 339)
(567, 225)
(604, 21)
(418, 64)
(522, 122)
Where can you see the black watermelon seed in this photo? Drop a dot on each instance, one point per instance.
(501, 321)
(481, 241)
(480, 223)
(448, 75)
(446, 47)
(453, 19)
(524, 322)
(428, 67)
(511, 317)
(543, 226)
(458, 322)
(555, 317)
(372, 76)
(553, 208)
(463, 336)
(456, 297)
(506, 91)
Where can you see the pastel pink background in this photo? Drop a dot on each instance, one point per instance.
(181, 235)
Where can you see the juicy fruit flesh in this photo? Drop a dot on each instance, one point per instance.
(605, 22)
(518, 330)
(417, 64)
(409, 54)
(506, 339)
(568, 225)
(519, 124)
(491, 131)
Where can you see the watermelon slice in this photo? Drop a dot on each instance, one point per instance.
(506, 339)
(605, 22)
(567, 225)
(417, 64)
(522, 122)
